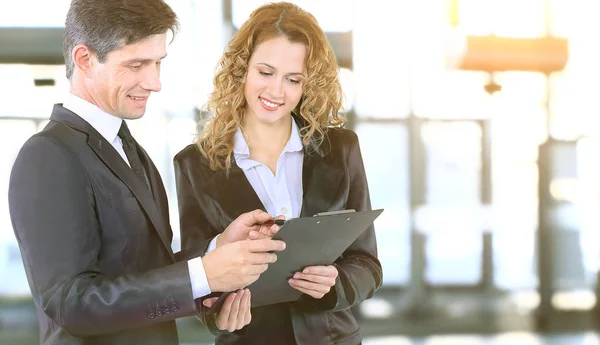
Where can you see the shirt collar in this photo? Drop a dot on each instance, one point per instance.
(295, 142)
(106, 124)
(241, 150)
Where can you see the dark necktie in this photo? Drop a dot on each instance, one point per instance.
(131, 153)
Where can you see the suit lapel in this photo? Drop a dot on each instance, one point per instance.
(321, 177)
(157, 188)
(111, 158)
(233, 193)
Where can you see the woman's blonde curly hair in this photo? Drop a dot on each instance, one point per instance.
(321, 102)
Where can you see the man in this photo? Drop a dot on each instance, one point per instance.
(88, 206)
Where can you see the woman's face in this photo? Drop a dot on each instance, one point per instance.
(274, 80)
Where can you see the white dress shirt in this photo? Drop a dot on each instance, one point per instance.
(108, 126)
(280, 193)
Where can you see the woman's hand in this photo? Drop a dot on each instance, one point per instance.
(315, 281)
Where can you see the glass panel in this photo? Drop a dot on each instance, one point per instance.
(452, 217)
(518, 127)
(443, 94)
(381, 67)
(13, 134)
(587, 199)
(515, 200)
(387, 174)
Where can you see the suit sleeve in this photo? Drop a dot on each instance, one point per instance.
(54, 214)
(359, 270)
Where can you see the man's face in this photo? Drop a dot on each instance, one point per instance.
(122, 84)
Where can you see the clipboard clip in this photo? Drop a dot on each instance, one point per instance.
(332, 213)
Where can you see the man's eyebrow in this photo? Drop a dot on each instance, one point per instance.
(141, 60)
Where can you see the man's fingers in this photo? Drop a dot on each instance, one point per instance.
(255, 235)
(248, 314)
(255, 217)
(233, 314)
(265, 245)
(261, 258)
(256, 270)
(244, 309)
(225, 310)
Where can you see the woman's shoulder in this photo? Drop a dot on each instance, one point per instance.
(190, 156)
(341, 138)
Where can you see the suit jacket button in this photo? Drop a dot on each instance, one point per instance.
(174, 306)
(151, 315)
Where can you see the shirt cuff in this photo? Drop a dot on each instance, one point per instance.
(212, 245)
(198, 278)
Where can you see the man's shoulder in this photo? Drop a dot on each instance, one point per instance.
(55, 139)
(59, 132)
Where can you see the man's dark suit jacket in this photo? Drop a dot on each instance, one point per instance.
(333, 179)
(95, 242)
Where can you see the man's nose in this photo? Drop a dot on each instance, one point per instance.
(151, 79)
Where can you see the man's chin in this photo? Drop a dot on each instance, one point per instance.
(134, 115)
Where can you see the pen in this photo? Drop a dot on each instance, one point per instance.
(275, 221)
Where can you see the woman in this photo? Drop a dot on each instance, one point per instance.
(276, 143)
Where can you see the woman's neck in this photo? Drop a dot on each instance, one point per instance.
(267, 136)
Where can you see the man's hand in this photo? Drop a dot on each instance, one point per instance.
(265, 230)
(250, 225)
(315, 281)
(235, 312)
(236, 265)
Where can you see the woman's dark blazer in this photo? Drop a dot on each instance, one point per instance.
(333, 179)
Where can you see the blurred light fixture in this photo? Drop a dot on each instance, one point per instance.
(497, 54)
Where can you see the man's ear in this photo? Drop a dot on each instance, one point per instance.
(83, 59)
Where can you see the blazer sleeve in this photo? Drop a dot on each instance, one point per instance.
(196, 232)
(359, 271)
(54, 215)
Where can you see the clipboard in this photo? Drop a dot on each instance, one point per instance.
(310, 241)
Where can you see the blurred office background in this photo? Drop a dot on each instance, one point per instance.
(479, 126)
